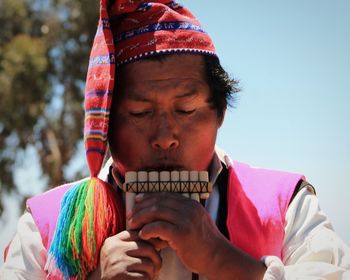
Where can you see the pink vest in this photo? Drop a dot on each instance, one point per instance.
(257, 203)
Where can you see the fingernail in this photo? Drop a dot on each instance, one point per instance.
(139, 197)
(129, 222)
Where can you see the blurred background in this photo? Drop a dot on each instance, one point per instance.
(292, 59)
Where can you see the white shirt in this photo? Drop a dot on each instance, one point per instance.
(311, 248)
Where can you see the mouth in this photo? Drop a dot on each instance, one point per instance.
(163, 166)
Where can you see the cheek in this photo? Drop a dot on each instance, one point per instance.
(127, 143)
(199, 139)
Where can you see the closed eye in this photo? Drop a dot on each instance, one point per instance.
(140, 114)
(186, 112)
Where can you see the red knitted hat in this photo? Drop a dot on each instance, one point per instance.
(130, 30)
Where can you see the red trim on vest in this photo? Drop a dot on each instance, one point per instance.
(6, 251)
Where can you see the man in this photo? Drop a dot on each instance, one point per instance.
(169, 100)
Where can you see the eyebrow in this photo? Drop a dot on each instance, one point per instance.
(191, 93)
(134, 96)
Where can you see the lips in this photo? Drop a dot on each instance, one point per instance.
(164, 166)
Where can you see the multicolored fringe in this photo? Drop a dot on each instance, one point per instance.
(89, 214)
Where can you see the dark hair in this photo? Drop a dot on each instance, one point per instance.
(222, 86)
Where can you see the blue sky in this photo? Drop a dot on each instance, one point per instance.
(293, 62)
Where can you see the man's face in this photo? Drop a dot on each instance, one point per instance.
(162, 119)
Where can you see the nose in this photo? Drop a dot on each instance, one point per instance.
(165, 143)
(165, 135)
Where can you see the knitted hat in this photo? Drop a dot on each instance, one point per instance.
(128, 30)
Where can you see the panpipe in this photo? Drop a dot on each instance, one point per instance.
(192, 184)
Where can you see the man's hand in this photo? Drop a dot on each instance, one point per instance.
(125, 256)
(186, 227)
(183, 223)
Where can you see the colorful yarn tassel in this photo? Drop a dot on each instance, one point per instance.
(89, 214)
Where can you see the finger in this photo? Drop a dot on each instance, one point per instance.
(145, 250)
(138, 275)
(130, 275)
(129, 235)
(155, 212)
(171, 200)
(143, 196)
(144, 265)
(122, 266)
(158, 244)
(125, 236)
(174, 201)
(159, 229)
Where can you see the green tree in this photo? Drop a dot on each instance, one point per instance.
(44, 51)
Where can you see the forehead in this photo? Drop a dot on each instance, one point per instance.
(175, 71)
